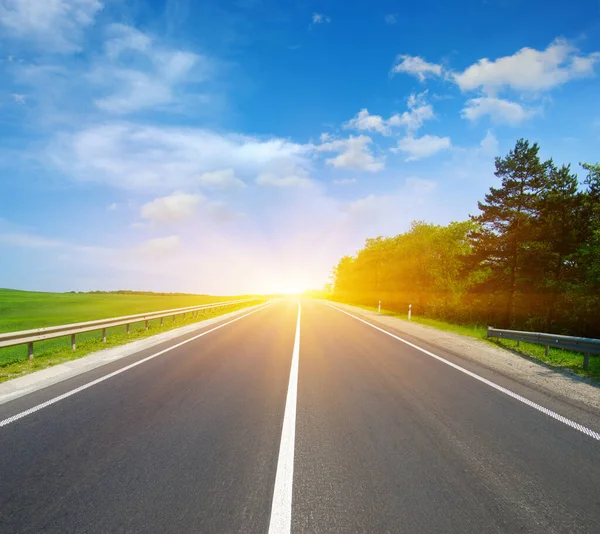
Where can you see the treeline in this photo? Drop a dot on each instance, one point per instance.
(530, 259)
(133, 292)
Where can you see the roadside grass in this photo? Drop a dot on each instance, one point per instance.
(562, 359)
(22, 310)
(14, 361)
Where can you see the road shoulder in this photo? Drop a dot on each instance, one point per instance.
(567, 387)
(24, 385)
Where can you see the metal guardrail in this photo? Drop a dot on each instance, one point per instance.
(585, 345)
(28, 337)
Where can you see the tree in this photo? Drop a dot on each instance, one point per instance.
(530, 259)
(558, 236)
(590, 247)
(423, 267)
(343, 279)
(507, 220)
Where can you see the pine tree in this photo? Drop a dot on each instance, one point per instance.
(590, 249)
(507, 220)
(558, 237)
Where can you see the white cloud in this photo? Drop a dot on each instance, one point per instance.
(290, 180)
(134, 156)
(222, 179)
(320, 18)
(136, 90)
(175, 207)
(419, 111)
(345, 181)
(324, 137)
(139, 73)
(422, 147)
(368, 122)
(391, 19)
(416, 66)
(354, 154)
(529, 69)
(112, 207)
(53, 25)
(499, 110)
(123, 38)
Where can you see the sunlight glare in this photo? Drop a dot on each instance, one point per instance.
(292, 291)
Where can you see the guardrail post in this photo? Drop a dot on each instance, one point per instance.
(409, 311)
(379, 307)
(25, 338)
(586, 360)
(547, 350)
(518, 342)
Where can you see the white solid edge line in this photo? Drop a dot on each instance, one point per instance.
(54, 400)
(524, 400)
(281, 509)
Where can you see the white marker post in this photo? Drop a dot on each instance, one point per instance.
(379, 308)
(409, 311)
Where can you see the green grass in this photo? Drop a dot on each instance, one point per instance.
(22, 310)
(562, 359)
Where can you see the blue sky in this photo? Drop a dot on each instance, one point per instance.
(230, 147)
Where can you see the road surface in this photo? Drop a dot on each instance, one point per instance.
(296, 417)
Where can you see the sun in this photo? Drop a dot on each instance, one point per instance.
(292, 291)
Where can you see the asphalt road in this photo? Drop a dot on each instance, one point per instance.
(372, 435)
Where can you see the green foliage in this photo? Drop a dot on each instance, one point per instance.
(424, 267)
(530, 259)
(507, 224)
